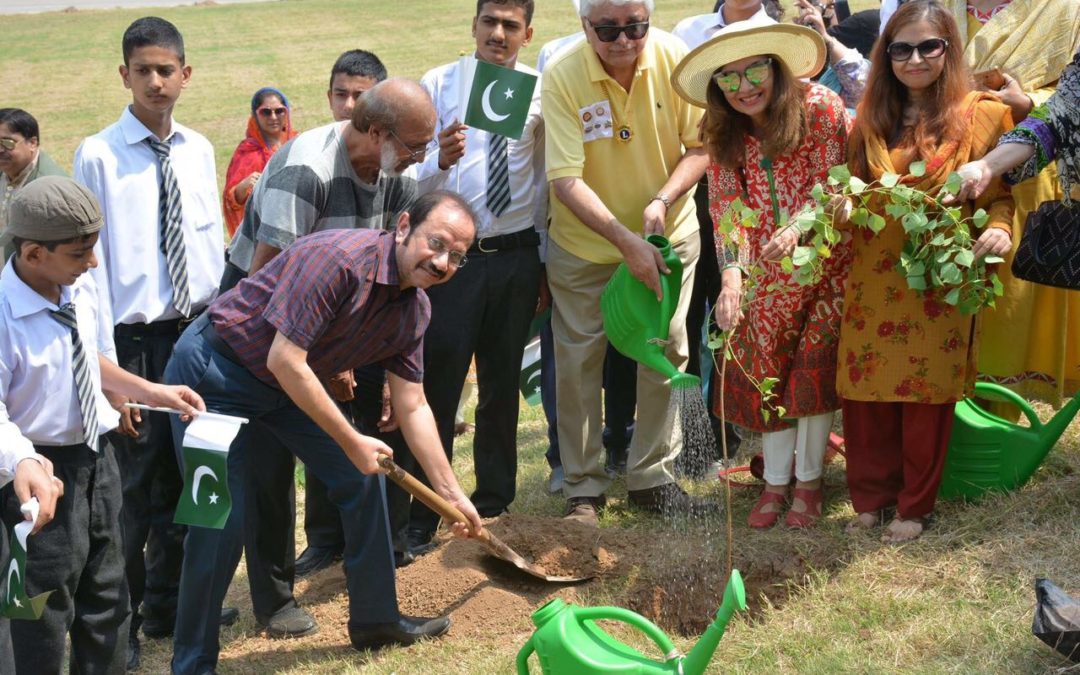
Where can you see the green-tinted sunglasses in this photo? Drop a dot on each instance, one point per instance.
(755, 74)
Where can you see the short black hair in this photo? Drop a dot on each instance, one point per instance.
(428, 202)
(152, 31)
(358, 63)
(17, 242)
(528, 5)
(20, 121)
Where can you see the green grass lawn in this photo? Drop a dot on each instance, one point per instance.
(958, 601)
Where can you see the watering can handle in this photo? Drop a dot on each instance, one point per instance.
(637, 621)
(997, 391)
(522, 661)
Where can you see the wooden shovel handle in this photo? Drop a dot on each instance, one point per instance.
(410, 484)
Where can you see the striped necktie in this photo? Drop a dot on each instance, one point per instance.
(84, 384)
(498, 185)
(172, 235)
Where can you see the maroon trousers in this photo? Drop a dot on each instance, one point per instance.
(895, 454)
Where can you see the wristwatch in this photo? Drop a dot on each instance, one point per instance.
(662, 197)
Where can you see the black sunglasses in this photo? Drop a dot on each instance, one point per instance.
(278, 112)
(610, 33)
(928, 49)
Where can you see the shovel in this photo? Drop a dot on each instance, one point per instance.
(451, 514)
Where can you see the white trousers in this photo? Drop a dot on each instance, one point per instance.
(807, 441)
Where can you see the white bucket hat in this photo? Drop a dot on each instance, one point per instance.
(800, 48)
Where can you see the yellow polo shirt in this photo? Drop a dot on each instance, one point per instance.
(584, 110)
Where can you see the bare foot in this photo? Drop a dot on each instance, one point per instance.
(902, 530)
(862, 522)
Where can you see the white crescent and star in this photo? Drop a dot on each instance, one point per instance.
(485, 103)
(201, 473)
(13, 569)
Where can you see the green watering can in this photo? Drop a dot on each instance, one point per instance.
(567, 640)
(988, 453)
(636, 324)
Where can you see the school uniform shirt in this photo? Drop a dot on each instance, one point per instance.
(39, 403)
(123, 172)
(525, 158)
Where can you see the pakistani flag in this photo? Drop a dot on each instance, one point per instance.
(205, 501)
(499, 99)
(16, 604)
(530, 373)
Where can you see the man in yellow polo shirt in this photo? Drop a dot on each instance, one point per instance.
(623, 156)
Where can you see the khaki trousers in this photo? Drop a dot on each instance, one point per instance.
(580, 343)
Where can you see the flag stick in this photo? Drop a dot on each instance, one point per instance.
(174, 411)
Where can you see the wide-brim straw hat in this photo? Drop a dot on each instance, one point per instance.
(800, 48)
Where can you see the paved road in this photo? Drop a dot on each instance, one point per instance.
(26, 6)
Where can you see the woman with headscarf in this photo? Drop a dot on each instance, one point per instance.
(269, 127)
(771, 138)
(907, 356)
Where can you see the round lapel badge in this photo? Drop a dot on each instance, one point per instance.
(625, 134)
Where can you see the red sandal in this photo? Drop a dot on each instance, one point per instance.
(759, 519)
(812, 499)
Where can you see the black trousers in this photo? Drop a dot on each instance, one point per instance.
(483, 310)
(153, 545)
(706, 280)
(322, 521)
(80, 558)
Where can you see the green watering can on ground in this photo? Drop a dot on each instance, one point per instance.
(636, 323)
(567, 640)
(988, 453)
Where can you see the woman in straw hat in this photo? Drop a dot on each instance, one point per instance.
(908, 356)
(771, 138)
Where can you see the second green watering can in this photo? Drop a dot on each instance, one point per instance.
(636, 323)
(988, 453)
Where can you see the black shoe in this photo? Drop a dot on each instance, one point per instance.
(229, 615)
(157, 630)
(315, 558)
(289, 622)
(405, 631)
(133, 653)
(418, 538)
(406, 558)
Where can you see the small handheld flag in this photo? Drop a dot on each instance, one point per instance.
(499, 99)
(205, 500)
(16, 603)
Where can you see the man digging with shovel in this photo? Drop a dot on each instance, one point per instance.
(332, 301)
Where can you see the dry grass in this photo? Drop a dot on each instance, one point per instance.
(958, 601)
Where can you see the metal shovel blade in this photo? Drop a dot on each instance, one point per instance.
(449, 512)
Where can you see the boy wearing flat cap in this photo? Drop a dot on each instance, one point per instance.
(55, 346)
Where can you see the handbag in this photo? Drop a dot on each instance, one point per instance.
(1049, 251)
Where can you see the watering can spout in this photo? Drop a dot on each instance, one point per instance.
(698, 659)
(1057, 425)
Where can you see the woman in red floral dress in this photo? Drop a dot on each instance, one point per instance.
(772, 138)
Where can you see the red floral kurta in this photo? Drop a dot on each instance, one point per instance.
(787, 334)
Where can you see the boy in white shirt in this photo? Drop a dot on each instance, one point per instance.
(55, 345)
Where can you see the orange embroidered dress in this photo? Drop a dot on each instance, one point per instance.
(902, 345)
(790, 335)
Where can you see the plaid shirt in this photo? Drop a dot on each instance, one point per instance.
(336, 295)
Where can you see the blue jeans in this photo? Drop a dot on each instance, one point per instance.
(211, 556)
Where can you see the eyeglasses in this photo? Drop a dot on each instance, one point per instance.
(755, 74)
(415, 155)
(9, 143)
(610, 33)
(928, 49)
(275, 112)
(457, 258)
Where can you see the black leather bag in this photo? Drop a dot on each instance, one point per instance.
(1049, 251)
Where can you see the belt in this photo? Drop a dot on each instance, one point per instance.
(505, 242)
(218, 345)
(167, 327)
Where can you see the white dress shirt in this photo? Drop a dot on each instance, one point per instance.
(553, 48)
(39, 402)
(525, 159)
(123, 172)
(697, 30)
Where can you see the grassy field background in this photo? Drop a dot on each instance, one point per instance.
(958, 601)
